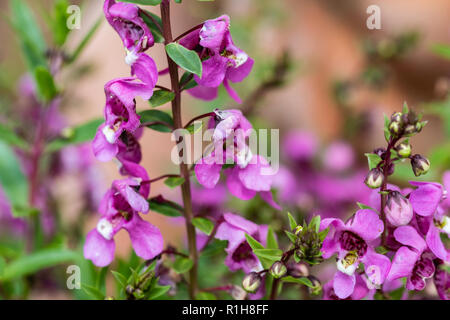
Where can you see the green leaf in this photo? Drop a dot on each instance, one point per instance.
(442, 50)
(204, 225)
(253, 243)
(93, 292)
(13, 181)
(37, 261)
(405, 108)
(161, 97)
(182, 265)
(2, 266)
(45, 84)
(163, 119)
(76, 135)
(156, 32)
(323, 234)
(185, 58)
(213, 248)
(205, 296)
(187, 81)
(158, 291)
(58, 22)
(387, 133)
(315, 223)
(195, 127)
(363, 206)
(381, 250)
(271, 239)
(269, 254)
(303, 280)
(11, 138)
(165, 207)
(292, 223)
(29, 34)
(292, 237)
(79, 49)
(121, 279)
(373, 160)
(174, 182)
(143, 2)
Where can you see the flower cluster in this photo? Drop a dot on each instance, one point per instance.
(222, 61)
(118, 137)
(246, 173)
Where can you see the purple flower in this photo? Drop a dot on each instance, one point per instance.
(120, 209)
(432, 221)
(339, 156)
(222, 61)
(120, 108)
(358, 293)
(411, 260)
(249, 173)
(442, 280)
(125, 19)
(239, 253)
(353, 243)
(300, 145)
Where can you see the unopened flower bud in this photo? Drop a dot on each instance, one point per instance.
(420, 165)
(278, 270)
(68, 133)
(298, 270)
(237, 293)
(317, 286)
(399, 211)
(410, 129)
(374, 178)
(251, 282)
(129, 289)
(110, 298)
(395, 127)
(403, 150)
(396, 117)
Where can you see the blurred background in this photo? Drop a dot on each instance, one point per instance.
(320, 76)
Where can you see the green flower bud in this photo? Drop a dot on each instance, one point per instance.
(278, 270)
(317, 286)
(374, 178)
(396, 117)
(395, 127)
(410, 129)
(403, 150)
(251, 282)
(420, 165)
(68, 133)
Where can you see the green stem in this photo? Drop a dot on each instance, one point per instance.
(184, 170)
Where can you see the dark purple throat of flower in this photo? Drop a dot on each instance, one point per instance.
(352, 242)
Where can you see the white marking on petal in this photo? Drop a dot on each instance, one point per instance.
(240, 59)
(105, 228)
(109, 134)
(131, 58)
(446, 225)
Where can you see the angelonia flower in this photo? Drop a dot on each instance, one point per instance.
(118, 137)
(222, 61)
(249, 174)
(354, 243)
(125, 19)
(239, 253)
(360, 290)
(411, 260)
(399, 211)
(119, 209)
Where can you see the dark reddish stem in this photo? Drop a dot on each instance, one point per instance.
(206, 115)
(187, 32)
(184, 170)
(161, 178)
(387, 162)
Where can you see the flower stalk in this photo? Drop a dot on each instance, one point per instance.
(184, 170)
